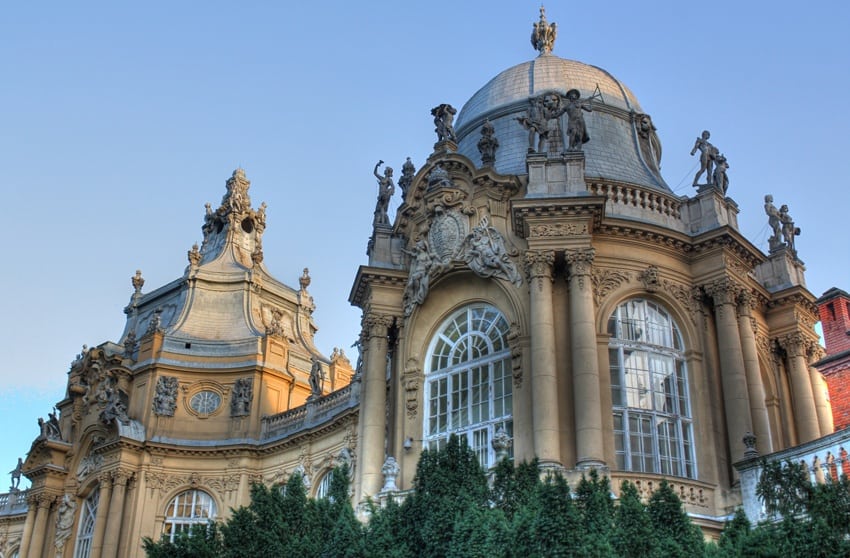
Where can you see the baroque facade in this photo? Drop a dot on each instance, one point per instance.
(540, 291)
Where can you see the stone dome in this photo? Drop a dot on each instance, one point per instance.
(613, 152)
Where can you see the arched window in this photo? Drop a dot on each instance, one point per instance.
(187, 509)
(649, 390)
(85, 531)
(324, 487)
(468, 388)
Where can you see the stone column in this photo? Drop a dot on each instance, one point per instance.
(758, 407)
(544, 382)
(26, 537)
(100, 517)
(805, 412)
(120, 478)
(373, 404)
(824, 409)
(39, 531)
(736, 399)
(585, 360)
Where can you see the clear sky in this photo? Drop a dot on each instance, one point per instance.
(119, 120)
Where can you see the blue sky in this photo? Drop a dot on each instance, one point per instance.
(119, 120)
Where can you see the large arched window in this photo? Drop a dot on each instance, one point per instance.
(187, 509)
(85, 532)
(649, 390)
(468, 384)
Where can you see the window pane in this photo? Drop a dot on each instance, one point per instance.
(470, 392)
(649, 391)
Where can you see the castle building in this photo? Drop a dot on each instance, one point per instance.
(540, 291)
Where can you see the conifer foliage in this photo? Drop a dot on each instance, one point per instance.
(454, 510)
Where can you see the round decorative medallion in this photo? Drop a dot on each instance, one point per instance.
(205, 402)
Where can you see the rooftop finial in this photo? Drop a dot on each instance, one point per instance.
(544, 33)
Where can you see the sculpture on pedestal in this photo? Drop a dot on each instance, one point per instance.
(488, 144)
(444, 115)
(576, 127)
(708, 153)
(386, 188)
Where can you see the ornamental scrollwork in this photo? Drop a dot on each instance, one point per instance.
(605, 281)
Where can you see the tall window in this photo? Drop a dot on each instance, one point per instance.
(468, 388)
(85, 531)
(649, 389)
(187, 509)
(324, 487)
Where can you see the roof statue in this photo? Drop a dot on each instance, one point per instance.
(444, 115)
(544, 33)
(775, 240)
(386, 188)
(488, 144)
(707, 157)
(408, 170)
(576, 127)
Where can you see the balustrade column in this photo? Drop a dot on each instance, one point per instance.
(544, 382)
(39, 531)
(736, 399)
(120, 478)
(758, 407)
(585, 360)
(100, 516)
(805, 412)
(824, 409)
(374, 402)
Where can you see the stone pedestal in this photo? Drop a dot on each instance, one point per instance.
(782, 270)
(384, 249)
(556, 175)
(710, 210)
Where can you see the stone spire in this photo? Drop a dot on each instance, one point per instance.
(543, 35)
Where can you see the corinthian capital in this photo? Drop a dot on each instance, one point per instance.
(538, 263)
(795, 344)
(724, 291)
(376, 325)
(121, 477)
(580, 261)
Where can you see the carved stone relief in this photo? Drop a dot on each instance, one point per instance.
(484, 252)
(606, 281)
(165, 397)
(241, 397)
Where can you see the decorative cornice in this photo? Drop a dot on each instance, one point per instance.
(371, 277)
(590, 208)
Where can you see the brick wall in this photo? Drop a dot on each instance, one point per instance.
(838, 382)
(834, 309)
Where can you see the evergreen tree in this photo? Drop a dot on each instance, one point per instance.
(633, 534)
(596, 510)
(557, 523)
(676, 536)
(202, 540)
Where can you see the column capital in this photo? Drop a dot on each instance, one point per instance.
(120, 477)
(43, 500)
(538, 263)
(376, 325)
(724, 291)
(105, 479)
(795, 344)
(579, 261)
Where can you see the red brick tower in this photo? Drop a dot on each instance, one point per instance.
(834, 307)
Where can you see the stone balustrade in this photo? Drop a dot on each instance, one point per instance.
(621, 197)
(13, 503)
(311, 413)
(698, 497)
(825, 458)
